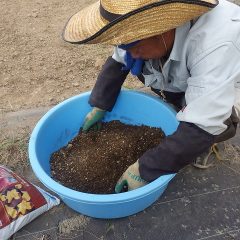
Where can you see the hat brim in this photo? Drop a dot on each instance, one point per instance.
(88, 26)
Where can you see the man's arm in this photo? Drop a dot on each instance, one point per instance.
(175, 151)
(209, 98)
(109, 82)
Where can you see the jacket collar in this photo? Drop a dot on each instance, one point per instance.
(180, 37)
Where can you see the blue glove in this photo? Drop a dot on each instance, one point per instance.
(132, 64)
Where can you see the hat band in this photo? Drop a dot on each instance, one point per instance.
(108, 15)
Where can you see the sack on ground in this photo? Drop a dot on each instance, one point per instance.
(20, 202)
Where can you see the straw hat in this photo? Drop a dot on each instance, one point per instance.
(123, 21)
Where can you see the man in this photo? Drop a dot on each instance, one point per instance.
(188, 52)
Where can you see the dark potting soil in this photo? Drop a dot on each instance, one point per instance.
(93, 162)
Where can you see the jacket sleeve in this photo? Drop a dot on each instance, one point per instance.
(109, 82)
(175, 151)
(210, 92)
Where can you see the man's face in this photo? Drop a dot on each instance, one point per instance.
(149, 48)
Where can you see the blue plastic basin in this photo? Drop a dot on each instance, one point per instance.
(60, 124)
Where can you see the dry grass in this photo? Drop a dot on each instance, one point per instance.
(231, 153)
(13, 150)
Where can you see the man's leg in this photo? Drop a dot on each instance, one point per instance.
(208, 158)
(216, 152)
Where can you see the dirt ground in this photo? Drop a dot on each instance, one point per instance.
(37, 68)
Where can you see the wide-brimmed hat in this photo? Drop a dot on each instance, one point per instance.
(123, 21)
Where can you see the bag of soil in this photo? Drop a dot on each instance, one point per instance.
(20, 202)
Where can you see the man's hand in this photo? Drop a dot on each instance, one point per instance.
(92, 119)
(130, 179)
